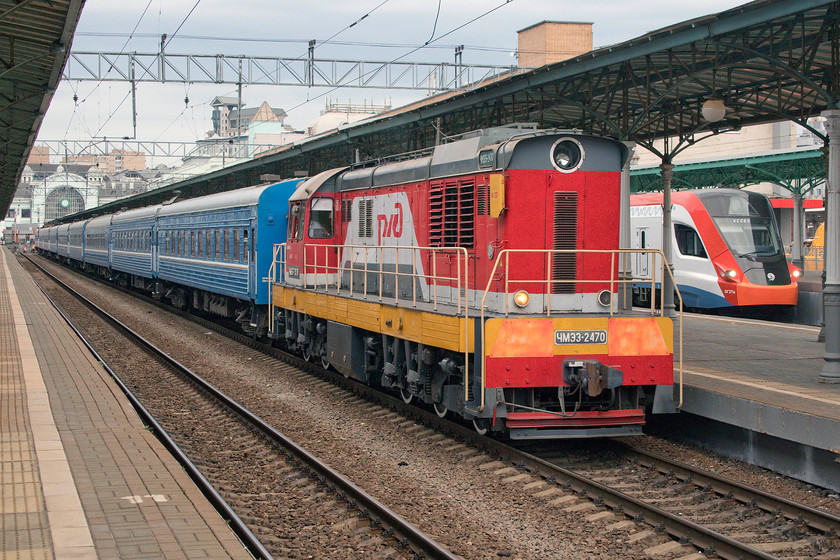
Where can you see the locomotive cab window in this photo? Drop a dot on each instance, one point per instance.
(296, 221)
(321, 218)
(688, 241)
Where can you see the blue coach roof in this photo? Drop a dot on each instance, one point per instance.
(135, 214)
(230, 199)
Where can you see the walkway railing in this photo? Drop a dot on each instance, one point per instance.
(327, 267)
(358, 269)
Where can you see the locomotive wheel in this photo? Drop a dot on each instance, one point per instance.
(440, 409)
(406, 396)
(481, 425)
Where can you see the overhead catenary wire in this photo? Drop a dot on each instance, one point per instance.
(146, 71)
(412, 51)
(122, 50)
(331, 41)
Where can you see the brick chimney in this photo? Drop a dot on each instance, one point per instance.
(552, 41)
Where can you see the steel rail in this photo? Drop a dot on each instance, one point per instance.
(238, 526)
(818, 520)
(405, 533)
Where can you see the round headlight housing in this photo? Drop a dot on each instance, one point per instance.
(521, 298)
(566, 155)
(605, 298)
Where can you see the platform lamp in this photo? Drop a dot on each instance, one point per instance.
(713, 109)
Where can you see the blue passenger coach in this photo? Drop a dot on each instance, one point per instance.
(97, 246)
(133, 248)
(76, 245)
(62, 235)
(212, 243)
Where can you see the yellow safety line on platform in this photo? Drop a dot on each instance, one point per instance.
(68, 525)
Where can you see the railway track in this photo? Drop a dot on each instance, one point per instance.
(257, 478)
(627, 491)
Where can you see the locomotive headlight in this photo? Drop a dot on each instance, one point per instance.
(605, 298)
(566, 155)
(521, 298)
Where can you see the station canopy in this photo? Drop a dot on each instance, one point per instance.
(35, 37)
(767, 60)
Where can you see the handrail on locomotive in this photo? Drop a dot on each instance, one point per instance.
(462, 273)
(628, 280)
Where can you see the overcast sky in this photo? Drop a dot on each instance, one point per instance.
(283, 28)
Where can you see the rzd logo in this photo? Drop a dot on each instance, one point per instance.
(390, 226)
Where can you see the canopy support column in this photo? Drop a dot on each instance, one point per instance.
(831, 291)
(796, 249)
(667, 172)
(625, 288)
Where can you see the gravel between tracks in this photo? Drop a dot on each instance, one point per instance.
(470, 511)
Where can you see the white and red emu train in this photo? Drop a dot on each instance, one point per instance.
(478, 278)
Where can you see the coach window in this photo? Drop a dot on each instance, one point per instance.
(236, 245)
(321, 218)
(688, 241)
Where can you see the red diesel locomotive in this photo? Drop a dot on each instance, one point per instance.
(480, 278)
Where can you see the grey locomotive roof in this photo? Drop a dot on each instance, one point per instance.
(459, 157)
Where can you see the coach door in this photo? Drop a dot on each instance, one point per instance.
(249, 243)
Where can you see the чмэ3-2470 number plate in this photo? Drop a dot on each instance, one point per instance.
(580, 337)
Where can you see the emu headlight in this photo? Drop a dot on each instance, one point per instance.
(796, 274)
(730, 274)
(566, 155)
(521, 298)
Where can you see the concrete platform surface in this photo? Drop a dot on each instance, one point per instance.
(758, 382)
(80, 476)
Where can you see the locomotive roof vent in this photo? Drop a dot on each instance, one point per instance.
(567, 155)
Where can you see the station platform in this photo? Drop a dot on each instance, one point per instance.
(752, 391)
(80, 476)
